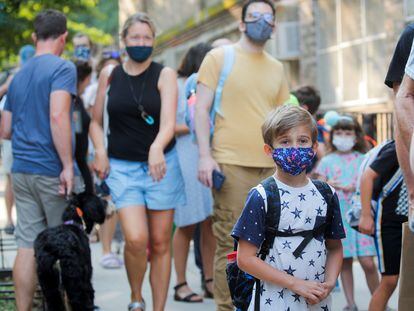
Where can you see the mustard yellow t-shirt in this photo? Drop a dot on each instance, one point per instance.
(256, 85)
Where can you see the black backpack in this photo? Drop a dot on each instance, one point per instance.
(241, 283)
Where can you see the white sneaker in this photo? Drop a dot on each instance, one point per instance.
(350, 308)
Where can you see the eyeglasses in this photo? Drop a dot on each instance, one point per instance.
(111, 54)
(255, 16)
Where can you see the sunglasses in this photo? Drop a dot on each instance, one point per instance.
(255, 16)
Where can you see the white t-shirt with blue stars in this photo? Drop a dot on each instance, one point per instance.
(302, 209)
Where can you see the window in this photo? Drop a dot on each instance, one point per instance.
(350, 51)
(351, 20)
(375, 16)
(327, 24)
(409, 9)
(327, 76)
(376, 68)
(352, 72)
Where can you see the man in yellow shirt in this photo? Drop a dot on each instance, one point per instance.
(256, 85)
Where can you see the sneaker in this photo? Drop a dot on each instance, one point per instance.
(350, 308)
(111, 261)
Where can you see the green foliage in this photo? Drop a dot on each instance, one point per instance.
(96, 18)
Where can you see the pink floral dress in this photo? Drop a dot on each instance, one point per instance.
(344, 168)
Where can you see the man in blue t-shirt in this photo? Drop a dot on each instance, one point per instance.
(37, 117)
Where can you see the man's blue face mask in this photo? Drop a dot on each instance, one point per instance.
(259, 27)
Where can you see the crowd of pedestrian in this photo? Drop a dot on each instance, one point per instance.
(220, 152)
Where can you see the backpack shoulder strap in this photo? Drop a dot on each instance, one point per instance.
(272, 215)
(271, 226)
(390, 186)
(190, 85)
(228, 61)
(327, 194)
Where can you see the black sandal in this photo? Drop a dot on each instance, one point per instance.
(186, 298)
(207, 293)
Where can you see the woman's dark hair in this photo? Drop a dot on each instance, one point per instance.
(348, 124)
(83, 70)
(49, 24)
(247, 4)
(193, 59)
(103, 60)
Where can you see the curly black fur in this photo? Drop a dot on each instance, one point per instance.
(69, 245)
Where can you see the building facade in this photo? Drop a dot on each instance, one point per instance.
(342, 47)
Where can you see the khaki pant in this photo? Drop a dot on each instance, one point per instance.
(406, 296)
(228, 204)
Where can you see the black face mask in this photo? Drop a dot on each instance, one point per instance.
(139, 54)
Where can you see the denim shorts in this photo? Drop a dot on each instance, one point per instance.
(130, 184)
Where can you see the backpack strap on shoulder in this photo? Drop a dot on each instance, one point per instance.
(271, 225)
(272, 215)
(327, 195)
(393, 183)
(228, 61)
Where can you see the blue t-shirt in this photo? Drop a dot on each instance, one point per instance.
(28, 99)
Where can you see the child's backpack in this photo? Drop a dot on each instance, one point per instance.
(241, 283)
(354, 214)
(191, 87)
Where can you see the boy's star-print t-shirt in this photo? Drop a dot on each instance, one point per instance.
(302, 209)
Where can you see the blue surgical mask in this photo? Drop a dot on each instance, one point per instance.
(293, 160)
(139, 54)
(259, 31)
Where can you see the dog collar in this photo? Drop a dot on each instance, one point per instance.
(73, 223)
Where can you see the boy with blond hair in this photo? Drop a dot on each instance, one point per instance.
(305, 253)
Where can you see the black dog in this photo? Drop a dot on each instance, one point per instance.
(63, 255)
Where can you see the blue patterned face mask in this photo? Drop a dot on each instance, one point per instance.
(293, 160)
(82, 53)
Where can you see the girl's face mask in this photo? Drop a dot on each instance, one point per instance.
(293, 160)
(343, 143)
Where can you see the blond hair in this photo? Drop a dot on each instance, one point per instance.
(283, 119)
(139, 17)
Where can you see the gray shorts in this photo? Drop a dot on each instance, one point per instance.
(38, 206)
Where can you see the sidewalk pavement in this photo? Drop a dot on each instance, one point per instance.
(112, 290)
